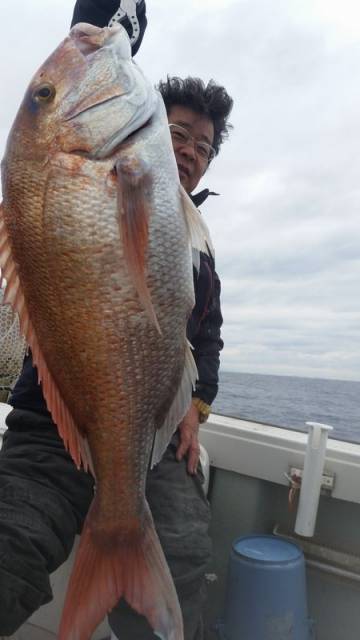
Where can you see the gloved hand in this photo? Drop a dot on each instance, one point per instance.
(130, 13)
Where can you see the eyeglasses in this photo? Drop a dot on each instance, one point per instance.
(180, 135)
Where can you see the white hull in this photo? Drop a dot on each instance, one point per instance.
(249, 494)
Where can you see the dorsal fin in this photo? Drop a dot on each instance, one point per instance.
(73, 440)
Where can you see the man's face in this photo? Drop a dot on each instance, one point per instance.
(191, 165)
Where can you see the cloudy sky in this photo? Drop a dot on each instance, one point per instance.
(287, 224)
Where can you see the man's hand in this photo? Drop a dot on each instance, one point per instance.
(189, 439)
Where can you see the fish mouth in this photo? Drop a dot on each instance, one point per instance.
(118, 108)
(111, 148)
(132, 136)
(128, 132)
(121, 137)
(89, 38)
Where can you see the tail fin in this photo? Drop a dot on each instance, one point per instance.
(103, 574)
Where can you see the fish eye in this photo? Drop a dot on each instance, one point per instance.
(44, 93)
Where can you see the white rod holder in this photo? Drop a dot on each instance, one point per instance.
(311, 479)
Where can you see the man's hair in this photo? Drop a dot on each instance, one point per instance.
(209, 100)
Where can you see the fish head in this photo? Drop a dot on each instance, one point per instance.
(88, 97)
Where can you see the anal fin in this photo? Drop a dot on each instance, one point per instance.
(178, 409)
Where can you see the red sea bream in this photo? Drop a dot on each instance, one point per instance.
(95, 251)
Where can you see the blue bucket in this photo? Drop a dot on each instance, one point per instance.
(266, 591)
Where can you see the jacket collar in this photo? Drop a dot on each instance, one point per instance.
(199, 198)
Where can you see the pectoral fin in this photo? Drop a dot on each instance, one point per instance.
(134, 182)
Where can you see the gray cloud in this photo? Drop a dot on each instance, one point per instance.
(287, 225)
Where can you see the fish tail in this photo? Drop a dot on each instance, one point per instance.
(103, 573)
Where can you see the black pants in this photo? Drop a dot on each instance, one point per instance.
(43, 502)
(181, 514)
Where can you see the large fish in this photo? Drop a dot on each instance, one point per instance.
(95, 251)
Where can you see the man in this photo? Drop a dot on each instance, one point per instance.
(197, 117)
(43, 497)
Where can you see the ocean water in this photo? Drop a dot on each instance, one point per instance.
(290, 402)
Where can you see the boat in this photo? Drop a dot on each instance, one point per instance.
(250, 470)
